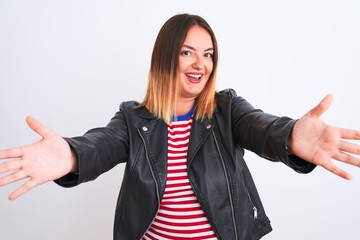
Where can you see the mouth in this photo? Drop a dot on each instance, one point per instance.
(194, 78)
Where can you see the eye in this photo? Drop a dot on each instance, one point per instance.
(208, 55)
(186, 53)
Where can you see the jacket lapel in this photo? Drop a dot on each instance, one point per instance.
(200, 130)
(154, 133)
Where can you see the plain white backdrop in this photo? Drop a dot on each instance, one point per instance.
(71, 63)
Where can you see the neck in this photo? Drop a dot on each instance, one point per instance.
(184, 106)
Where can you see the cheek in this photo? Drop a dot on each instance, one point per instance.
(209, 67)
(184, 64)
(181, 66)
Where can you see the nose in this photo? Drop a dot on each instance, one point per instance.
(198, 62)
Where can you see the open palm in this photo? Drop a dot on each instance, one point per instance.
(319, 143)
(46, 160)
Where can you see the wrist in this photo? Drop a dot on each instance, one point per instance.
(74, 162)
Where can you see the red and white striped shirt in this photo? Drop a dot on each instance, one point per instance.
(180, 215)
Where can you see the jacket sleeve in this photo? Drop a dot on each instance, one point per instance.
(98, 150)
(264, 134)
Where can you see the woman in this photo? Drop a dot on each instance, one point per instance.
(185, 175)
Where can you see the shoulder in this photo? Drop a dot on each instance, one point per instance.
(130, 105)
(227, 97)
(226, 93)
(228, 100)
(134, 108)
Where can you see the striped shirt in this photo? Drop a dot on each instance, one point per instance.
(180, 215)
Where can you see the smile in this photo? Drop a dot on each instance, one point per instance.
(195, 78)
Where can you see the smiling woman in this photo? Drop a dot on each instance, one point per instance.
(185, 176)
(195, 67)
(175, 54)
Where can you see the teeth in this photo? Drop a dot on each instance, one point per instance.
(198, 76)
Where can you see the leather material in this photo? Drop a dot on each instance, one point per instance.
(216, 167)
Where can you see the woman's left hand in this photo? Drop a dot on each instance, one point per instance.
(317, 142)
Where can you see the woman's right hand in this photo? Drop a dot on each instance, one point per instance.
(46, 160)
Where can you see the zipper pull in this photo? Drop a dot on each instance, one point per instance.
(255, 212)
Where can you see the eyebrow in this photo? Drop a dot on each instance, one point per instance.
(190, 47)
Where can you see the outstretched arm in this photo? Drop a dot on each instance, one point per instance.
(46, 160)
(317, 142)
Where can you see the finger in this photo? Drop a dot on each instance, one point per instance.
(23, 189)
(330, 166)
(16, 176)
(350, 134)
(346, 158)
(38, 127)
(349, 147)
(10, 166)
(322, 106)
(11, 153)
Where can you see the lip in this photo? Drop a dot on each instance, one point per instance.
(194, 77)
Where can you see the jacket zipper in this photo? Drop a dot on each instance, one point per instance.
(227, 184)
(153, 176)
(252, 203)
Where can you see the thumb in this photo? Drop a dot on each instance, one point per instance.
(38, 127)
(322, 106)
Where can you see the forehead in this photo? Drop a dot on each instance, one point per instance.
(198, 37)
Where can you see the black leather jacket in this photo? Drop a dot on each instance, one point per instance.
(216, 168)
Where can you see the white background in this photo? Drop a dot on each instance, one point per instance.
(71, 63)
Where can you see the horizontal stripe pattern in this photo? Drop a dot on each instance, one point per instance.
(180, 215)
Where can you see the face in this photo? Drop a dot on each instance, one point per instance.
(195, 62)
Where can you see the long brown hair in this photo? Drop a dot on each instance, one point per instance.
(162, 90)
